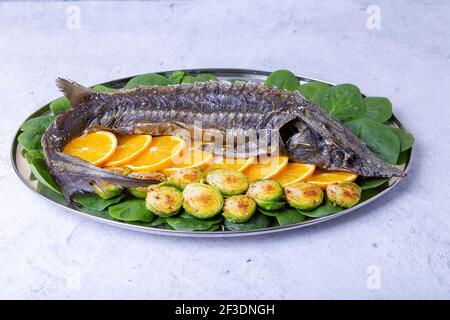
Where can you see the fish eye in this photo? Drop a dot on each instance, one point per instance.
(337, 157)
(351, 157)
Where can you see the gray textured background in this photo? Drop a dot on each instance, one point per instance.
(47, 253)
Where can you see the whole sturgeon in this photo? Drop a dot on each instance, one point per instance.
(306, 132)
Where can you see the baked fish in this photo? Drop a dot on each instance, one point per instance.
(302, 130)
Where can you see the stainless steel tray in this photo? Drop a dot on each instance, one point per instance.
(23, 171)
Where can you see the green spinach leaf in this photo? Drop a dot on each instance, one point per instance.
(355, 126)
(60, 105)
(102, 88)
(406, 139)
(323, 210)
(370, 183)
(94, 202)
(40, 172)
(258, 221)
(30, 140)
(283, 79)
(379, 138)
(176, 77)
(49, 193)
(157, 222)
(187, 222)
(313, 89)
(343, 101)
(131, 210)
(270, 213)
(38, 125)
(150, 79)
(202, 77)
(284, 216)
(30, 155)
(369, 193)
(403, 157)
(214, 227)
(378, 108)
(289, 216)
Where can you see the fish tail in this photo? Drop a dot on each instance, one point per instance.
(75, 175)
(73, 91)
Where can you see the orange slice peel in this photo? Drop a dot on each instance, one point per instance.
(128, 148)
(191, 157)
(326, 177)
(266, 168)
(95, 147)
(159, 154)
(294, 172)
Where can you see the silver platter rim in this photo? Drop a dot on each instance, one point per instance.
(222, 74)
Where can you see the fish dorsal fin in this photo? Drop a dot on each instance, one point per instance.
(73, 91)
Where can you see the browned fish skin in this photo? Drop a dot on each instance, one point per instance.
(311, 135)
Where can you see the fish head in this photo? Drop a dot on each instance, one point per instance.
(307, 144)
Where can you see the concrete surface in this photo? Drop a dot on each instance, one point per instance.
(397, 247)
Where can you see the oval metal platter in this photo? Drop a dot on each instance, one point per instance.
(23, 171)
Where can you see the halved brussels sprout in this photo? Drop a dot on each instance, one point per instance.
(270, 205)
(267, 194)
(163, 200)
(304, 195)
(183, 177)
(121, 170)
(106, 190)
(141, 192)
(229, 182)
(138, 192)
(344, 194)
(239, 208)
(202, 201)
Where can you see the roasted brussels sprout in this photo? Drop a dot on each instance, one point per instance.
(202, 201)
(183, 177)
(163, 200)
(304, 195)
(141, 192)
(267, 194)
(121, 170)
(229, 182)
(344, 194)
(106, 190)
(138, 192)
(239, 208)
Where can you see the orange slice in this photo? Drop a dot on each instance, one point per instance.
(266, 169)
(159, 154)
(192, 157)
(326, 177)
(96, 147)
(294, 172)
(128, 148)
(237, 164)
